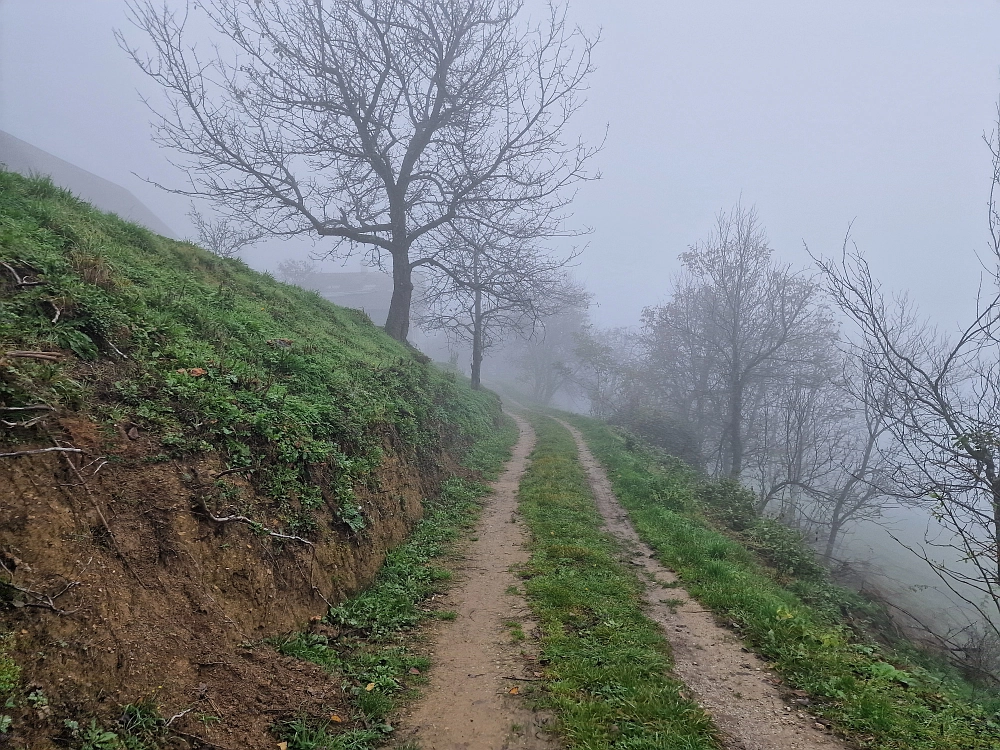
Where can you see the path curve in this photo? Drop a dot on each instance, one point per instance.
(467, 704)
(734, 686)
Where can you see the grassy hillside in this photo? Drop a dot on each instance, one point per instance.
(206, 354)
(236, 456)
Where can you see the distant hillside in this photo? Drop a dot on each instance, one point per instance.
(23, 158)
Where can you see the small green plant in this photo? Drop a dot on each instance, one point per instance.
(516, 631)
(10, 672)
(95, 737)
(5, 723)
(38, 699)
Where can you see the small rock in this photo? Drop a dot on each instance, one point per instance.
(133, 433)
(818, 726)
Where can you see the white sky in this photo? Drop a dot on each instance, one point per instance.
(816, 113)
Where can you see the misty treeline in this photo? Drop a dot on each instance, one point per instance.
(741, 372)
(428, 135)
(829, 398)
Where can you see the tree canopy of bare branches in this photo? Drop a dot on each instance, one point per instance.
(374, 123)
(490, 286)
(736, 321)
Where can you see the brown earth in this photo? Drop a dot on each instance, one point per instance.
(166, 605)
(737, 688)
(481, 676)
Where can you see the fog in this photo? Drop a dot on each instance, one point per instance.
(818, 115)
(860, 114)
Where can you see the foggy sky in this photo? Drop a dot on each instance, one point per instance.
(817, 114)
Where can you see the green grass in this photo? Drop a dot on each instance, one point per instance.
(606, 662)
(875, 697)
(374, 655)
(302, 394)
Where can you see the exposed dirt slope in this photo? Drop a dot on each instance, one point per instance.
(169, 605)
(732, 684)
(468, 704)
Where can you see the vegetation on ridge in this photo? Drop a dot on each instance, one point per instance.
(372, 644)
(607, 662)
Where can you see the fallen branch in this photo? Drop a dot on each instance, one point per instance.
(175, 717)
(32, 407)
(18, 279)
(255, 525)
(47, 356)
(25, 423)
(232, 471)
(40, 450)
(42, 601)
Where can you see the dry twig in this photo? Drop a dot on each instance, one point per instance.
(41, 600)
(40, 450)
(256, 525)
(47, 356)
(18, 279)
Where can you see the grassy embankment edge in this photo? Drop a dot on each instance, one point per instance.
(377, 656)
(606, 663)
(869, 695)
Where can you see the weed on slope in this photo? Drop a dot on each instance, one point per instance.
(606, 661)
(876, 698)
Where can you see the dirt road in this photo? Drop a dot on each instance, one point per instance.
(468, 704)
(734, 686)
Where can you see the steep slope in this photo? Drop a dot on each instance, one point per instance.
(193, 458)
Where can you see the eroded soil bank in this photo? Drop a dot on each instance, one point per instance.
(483, 672)
(732, 684)
(163, 605)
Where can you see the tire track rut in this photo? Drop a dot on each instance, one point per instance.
(468, 704)
(733, 685)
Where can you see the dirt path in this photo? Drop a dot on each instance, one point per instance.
(734, 686)
(468, 703)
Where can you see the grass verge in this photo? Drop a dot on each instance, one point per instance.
(372, 653)
(607, 662)
(874, 697)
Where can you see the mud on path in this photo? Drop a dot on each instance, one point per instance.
(734, 686)
(468, 703)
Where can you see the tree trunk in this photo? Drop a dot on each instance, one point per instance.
(397, 324)
(477, 342)
(831, 540)
(736, 431)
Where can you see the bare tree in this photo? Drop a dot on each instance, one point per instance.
(222, 237)
(943, 412)
(490, 285)
(548, 363)
(607, 361)
(372, 122)
(738, 320)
